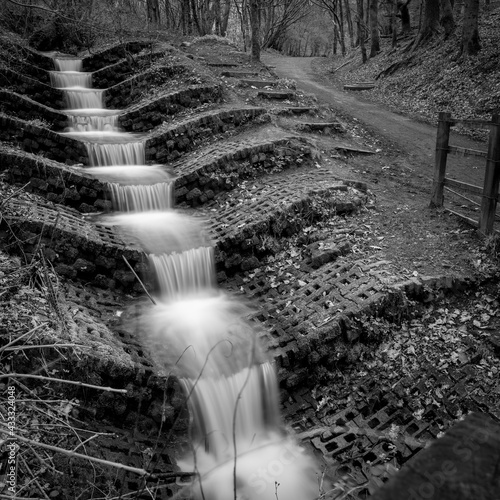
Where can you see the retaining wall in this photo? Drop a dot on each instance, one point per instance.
(56, 182)
(25, 108)
(39, 92)
(38, 140)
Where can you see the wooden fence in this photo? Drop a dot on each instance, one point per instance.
(489, 191)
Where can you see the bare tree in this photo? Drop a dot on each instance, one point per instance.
(470, 35)
(447, 20)
(375, 45)
(255, 28)
(361, 29)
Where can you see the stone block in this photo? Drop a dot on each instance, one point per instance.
(326, 251)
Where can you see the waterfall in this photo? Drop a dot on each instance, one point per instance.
(68, 64)
(63, 79)
(239, 444)
(181, 273)
(131, 153)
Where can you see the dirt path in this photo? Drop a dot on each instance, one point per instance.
(416, 141)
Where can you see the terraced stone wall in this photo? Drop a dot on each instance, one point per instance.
(114, 54)
(38, 140)
(226, 173)
(168, 144)
(128, 92)
(77, 249)
(39, 92)
(56, 182)
(111, 75)
(25, 108)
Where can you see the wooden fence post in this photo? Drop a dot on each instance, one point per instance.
(491, 179)
(442, 142)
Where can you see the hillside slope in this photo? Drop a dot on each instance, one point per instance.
(431, 78)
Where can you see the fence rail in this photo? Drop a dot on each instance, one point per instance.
(489, 191)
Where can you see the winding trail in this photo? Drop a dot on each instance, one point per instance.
(414, 139)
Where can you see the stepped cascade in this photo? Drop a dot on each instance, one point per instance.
(239, 445)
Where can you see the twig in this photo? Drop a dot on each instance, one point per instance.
(35, 480)
(5, 347)
(23, 347)
(72, 454)
(72, 382)
(138, 279)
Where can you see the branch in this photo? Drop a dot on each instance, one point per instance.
(72, 382)
(31, 6)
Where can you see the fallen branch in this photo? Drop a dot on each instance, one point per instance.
(5, 347)
(72, 382)
(138, 279)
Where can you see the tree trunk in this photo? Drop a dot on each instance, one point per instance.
(348, 17)
(447, 20)
(255, 28)
(405, 17)
(470, 34)
(394, 23)
(153, 12)
(430, 25)
(341, 28)
(226, 9)
(361, 31)
(375, 45)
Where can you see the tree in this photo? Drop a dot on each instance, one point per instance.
(447, 20)
(375, 45)
(361, 29)
(430, 25)
(470, 34)
(255, 28)
(405, 15)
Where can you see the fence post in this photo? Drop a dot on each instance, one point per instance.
(491, 179)
(442, 140)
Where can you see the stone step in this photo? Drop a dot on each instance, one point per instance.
(276, 94)
(223, 165)
(222, 64)
(239, 74)
(258, 83)
(324, 126)
(359, 86)
(297, 110)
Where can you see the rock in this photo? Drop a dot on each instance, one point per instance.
(326, 251)
(461, 465)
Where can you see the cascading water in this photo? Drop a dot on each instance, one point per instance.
(240, 448)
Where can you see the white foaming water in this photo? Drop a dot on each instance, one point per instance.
(142, 197)
(86, 123)
(63, 79)
(271, 468)
(182, 273)
(256, 409)
(80, 97)
(161, 232)
(136, 175)
(202, 331)
(68, 64)
(130, 153)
